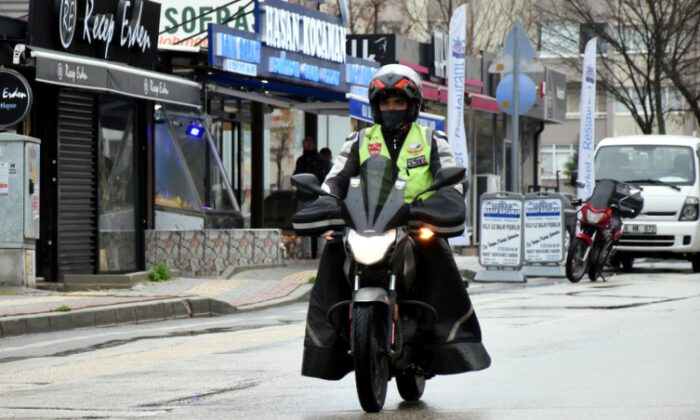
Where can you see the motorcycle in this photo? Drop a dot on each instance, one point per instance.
(600, 227)
(382, 327)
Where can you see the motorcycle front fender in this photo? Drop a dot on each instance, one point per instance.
(371, 295)
(586, 236)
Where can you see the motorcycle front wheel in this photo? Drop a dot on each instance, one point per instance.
(411, 385)
(576, 264)
(371, 359)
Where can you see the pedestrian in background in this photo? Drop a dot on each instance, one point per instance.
(310, 162)
(327, 154)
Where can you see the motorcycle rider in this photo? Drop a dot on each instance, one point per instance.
(454, 343)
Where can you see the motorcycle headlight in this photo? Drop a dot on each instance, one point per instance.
(690, 209)
(370, 250)
(594, 217)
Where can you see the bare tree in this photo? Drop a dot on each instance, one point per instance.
(365, 16)
(677, 24)
(488, 21)
(635, 66)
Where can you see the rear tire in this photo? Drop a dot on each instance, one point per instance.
(627, 263)
(575, 264)
(371, 360)
(411, 386)
(595, 261)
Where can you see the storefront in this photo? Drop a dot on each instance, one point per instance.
(93, 66)
(269, 89)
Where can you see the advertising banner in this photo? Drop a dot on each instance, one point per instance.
(456, 73)
(586, 174)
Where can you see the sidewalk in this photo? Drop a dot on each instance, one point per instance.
(29, 311)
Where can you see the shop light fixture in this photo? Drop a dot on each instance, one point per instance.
(195, 130)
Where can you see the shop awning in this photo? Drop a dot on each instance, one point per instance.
(89, 73)
(482, 102)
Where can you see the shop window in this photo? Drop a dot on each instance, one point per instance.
(484, 135)
(190, 178)
(553, 158)
(284, 132)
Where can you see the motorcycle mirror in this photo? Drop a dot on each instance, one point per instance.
(308, 183)
(444, 177)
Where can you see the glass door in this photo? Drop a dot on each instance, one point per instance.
(118, 180)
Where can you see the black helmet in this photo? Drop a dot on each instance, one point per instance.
(396, 79)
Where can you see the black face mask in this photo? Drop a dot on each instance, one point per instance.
(393, 119)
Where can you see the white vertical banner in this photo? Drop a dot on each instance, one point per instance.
(586, 172)
(456, 73)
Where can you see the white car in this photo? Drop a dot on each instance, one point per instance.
(666, 168)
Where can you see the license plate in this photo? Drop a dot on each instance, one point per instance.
(641, 229)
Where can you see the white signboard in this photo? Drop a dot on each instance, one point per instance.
(501, 227)
(183, 19)
(543, 233)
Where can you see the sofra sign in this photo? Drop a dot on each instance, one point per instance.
(100, 27)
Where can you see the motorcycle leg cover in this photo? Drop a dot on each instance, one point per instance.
(454, 344)
(325, 352)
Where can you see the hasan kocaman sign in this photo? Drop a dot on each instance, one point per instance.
(184, 24)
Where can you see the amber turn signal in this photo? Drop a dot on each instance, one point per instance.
(425, 233)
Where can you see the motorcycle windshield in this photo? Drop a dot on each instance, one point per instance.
(603, 193)
(374, 197)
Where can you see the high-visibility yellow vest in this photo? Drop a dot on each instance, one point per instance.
(413, 160)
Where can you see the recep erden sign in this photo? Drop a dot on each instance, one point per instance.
(120, 30)
(15, 98)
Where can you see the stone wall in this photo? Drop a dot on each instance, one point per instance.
(213, 252)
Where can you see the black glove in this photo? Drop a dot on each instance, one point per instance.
(309, 220)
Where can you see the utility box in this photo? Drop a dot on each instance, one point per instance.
(19, 208)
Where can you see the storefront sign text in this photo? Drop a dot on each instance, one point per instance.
(237, 48)
(440, 52)
(285, 29)
(101, 26)
(291, 68)
(184, 24)
(15, 97)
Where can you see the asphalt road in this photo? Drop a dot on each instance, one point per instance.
(625, 349)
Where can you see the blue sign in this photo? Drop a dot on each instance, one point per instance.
(240, 67)
(296, 69)
(526, 94)
(237, 48)
(233, 50)
(357, 74)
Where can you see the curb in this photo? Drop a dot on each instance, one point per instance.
(299, 294)
(130, 313)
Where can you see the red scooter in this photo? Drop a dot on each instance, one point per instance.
(600, 227)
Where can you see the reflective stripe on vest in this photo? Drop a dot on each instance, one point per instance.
(413, 160)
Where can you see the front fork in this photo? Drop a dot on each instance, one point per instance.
(392, 344)
(589, 238)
